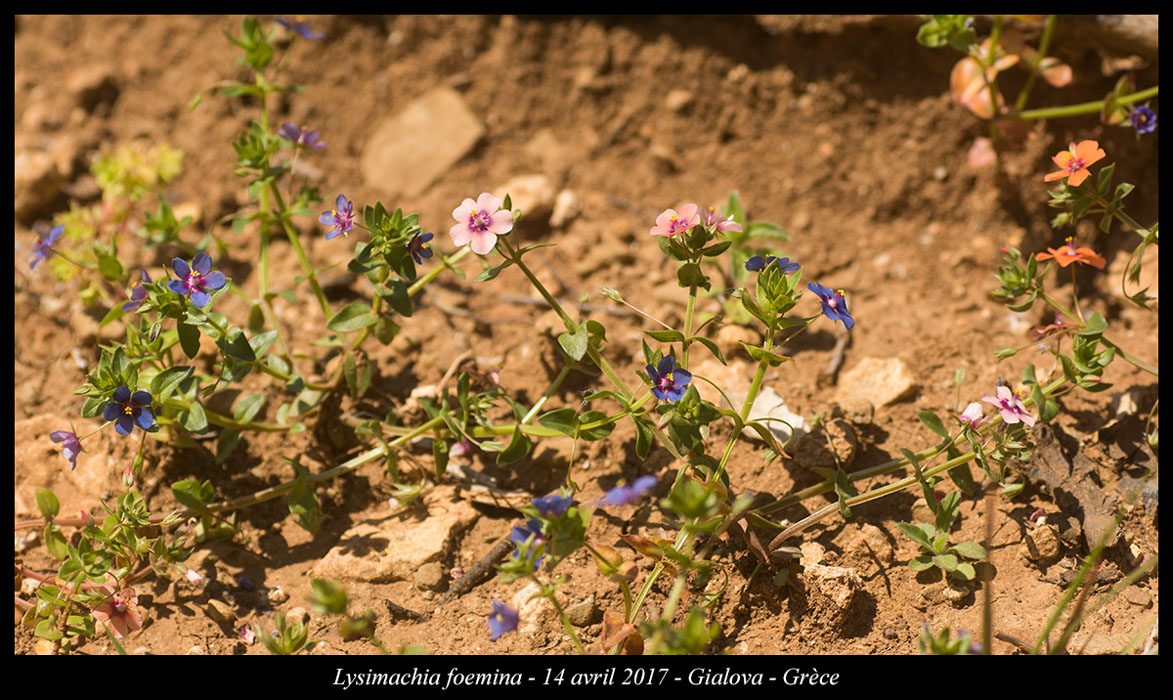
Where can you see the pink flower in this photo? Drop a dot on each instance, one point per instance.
(193, 576)
(247, 634)
(1009, 406)
(480, 222)
(972, 416)
(671, 222)
(118, 612)
(710, 217)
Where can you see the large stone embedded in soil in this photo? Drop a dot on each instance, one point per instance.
(393, 549)
(409, 151)
(834, 589)
(1072, 485)
(880, 381)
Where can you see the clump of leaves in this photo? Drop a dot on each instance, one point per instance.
(936, 550)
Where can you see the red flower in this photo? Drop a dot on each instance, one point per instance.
(1069, 254)
(1073, 163)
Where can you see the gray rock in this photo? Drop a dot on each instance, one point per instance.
(583, 613)
(880, 381)
(409, 151)
(396, 549)
(430, 576)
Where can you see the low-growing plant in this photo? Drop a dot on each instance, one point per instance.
(179, 351)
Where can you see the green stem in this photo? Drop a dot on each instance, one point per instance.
(1082, 108)
(688, 312)
(344, 468)
(295, 241)
(1127, 356)
(1044, 46)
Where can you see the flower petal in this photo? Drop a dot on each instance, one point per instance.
(141, 398)
(145, 419)
(202, 263)
(124, 424)
(461, 234)
(215, 280)
(465, 209)
(488, 203)
(483, 242)
(179, 265)
(200, 298)
(501, 222)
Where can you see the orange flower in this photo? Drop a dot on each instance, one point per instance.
(1074, 162)
(1070, 254)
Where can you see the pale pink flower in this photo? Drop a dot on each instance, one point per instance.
(1009, 406)
(972, 416)
(480, 222)
(193, 576)
(119, 612)
(671, 222)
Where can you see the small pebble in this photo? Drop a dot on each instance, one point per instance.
(277, 596)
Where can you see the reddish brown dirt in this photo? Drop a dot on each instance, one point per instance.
(839, 129)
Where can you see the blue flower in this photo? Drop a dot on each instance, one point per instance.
(502, 620)
(521, 534)
(139, 294)
(1143, 119)
(300, 28)
(70, 445)
(419, 248)
(758, 263)
(197, 279)
(668, 381)
(626, 495)
(299, 136)
(44, 245)
(834, 304)
(128, 410)
(341, 217)
(553, 505)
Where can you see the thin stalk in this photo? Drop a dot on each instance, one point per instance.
(1044, 46)
(1082, 108)
(295, 242)
(688, 313)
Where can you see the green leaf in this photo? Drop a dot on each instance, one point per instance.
(236, 345)
(189, 339)
(492, 273)
(948, 562)
(564, 420)
(711, 346)
(921, 563)
(665, 336)
(110, 268)
(440, 457)
(352, 317)
(395, 294)
(194, 495)
(933, 423)
(970, 550)
(518, 448)
(302, 501)
(1095, 326)
(643, 437)
(762, 355)
(921, 533)
(598, 432)
(690, 275)
(55, 543)
(575, 344)
(716, 249)
(47, 503)
(248, 407)
(261, 342)
(194, 419)
(964, 571)
(226, 443)
(164, 383)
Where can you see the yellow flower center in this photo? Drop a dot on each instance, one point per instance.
(128, 410)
